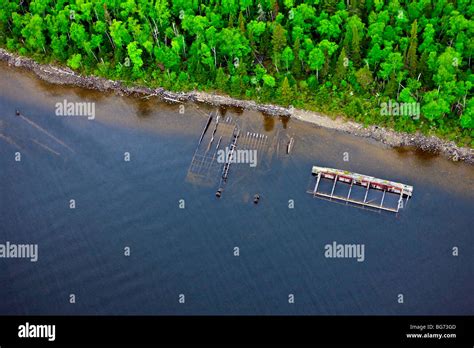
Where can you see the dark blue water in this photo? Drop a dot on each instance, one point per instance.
(190, 251)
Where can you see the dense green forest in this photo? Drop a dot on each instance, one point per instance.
(337, 57)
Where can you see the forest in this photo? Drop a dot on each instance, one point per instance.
(336, 57)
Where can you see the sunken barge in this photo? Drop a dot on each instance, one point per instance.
(350, 180)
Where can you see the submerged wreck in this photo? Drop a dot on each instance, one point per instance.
(350, 179)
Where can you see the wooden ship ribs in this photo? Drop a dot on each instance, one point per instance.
(337, 175)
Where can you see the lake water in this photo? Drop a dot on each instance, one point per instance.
(190, 251)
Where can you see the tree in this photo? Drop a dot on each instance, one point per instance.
(212, 39)
(392, 65)
(278, 38)
(135, 56)
(353, 37)
(58, 45)
(375, 32)
(355, 46)
(206, 56)
(161, 13)
(278, 42)
(33, 33)
(411, 59)
(435, 107)
(229, 7)
(286, 92)
(242, 24)
(75, 61)
(255, 30)
(78, 35)
(328, 49)
(236, 85)
(428, 44)
(167, 56)
(119, 34)
(268, 80)
(364, 78)
(297, 61)
(221, 80)
(304, 16)
(316, 60)
(287, 57)
(329, 28)
(341, 66)
(406, 96)
(289, 3)
(447, 63)
(467, 118)
(375, 55)
(232, 43)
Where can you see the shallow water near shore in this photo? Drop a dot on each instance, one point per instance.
(190, 251)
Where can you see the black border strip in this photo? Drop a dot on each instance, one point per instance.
(136, 330)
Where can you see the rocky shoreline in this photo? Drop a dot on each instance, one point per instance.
(65, 76)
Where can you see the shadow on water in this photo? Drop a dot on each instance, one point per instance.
(222, 110)
(233, 109)
(284, 121)
(424, 157)
(82, 94)
(268, 122)
(144, 108)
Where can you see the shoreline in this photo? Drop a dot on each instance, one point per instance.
(391, 138)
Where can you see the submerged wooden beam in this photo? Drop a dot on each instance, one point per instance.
(334, 186)
(367, 191)
(350, 189)
(205, 128)
(317, 184)
(383, 196)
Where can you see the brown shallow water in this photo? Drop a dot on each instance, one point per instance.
(153, 115)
